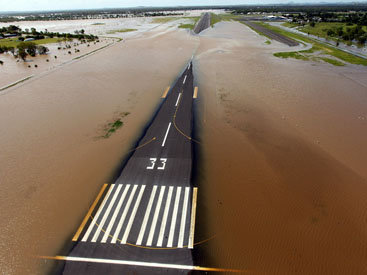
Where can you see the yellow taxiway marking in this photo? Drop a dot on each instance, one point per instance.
(196, 92)
(165, 92)
(193, 214)
(137, 263)
(80, 229)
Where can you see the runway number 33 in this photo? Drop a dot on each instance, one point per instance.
(153, 161)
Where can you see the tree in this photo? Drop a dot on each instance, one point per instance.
(1, 62)
(312, 24)
(42, 49)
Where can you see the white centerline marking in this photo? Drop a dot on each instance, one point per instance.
(93, 223)
(189, 66)
(184, 79)
(146, 217)
(122, 219)
(165, 137)
(105, 216)
(165, 215)
(132, 217)
(117, 210)
(155, 218)
(178, 99)
(183, 218)
(174, 217)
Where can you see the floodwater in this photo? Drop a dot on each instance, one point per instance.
(52, 163)
(283, 177)
(281, 172)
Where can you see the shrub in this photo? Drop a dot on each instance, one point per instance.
(1, 62)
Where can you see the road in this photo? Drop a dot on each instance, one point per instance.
(148, 214)
(203, 23)
(273, 35)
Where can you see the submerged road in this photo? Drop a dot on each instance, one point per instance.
(144, 222)
(203, 23)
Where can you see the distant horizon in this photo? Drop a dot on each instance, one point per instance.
(74, 5)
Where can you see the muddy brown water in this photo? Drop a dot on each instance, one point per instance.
(282, 178)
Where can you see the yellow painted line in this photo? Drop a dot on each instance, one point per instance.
(196, 92)
(165, 92)
(80, 229)
(193, 215)
(137, 263)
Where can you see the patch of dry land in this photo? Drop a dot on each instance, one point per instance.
(282, 178)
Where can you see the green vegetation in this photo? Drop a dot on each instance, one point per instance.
(317, 48)
(98, 24)
(187, 26)
(290, 24)
(268, 42)
(121, 30)
(296, 55)
(332, 61)
(162, 20)
(112, 127)
(14, 42)
(214, 18)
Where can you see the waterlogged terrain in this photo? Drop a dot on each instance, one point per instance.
(282, 153)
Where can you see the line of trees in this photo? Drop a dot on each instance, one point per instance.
(24, 49)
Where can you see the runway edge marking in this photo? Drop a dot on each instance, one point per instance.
(90, 211)
(137, 263)
(193, 216)
(165, 92)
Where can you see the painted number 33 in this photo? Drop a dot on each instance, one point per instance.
(153, 163)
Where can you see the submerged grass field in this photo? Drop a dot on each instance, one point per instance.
(317, 48)
(121, 30)
(13, 42)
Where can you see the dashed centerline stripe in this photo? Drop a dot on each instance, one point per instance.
(165, 137)
(178, 99)
(184, 79)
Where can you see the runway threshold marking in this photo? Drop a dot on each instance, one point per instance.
(165, 136)
(137, 263)
(178, 99)
(146, 217)
(92, 224)
(193, 216)
(165, 216)
(90, 211)
(184, 79)
(195, 92)
(165, 92)
(155, 217)
(174, 218)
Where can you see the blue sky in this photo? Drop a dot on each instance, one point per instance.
(31, 5)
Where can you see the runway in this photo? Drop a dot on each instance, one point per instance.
(148, 214)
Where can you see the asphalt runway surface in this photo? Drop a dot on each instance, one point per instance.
(203, 23)
(148, 214)
(273, 35)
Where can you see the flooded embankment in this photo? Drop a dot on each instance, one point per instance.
(53, 160)
(283, 177)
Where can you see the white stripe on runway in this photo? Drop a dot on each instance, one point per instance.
(122, 219)
(105, 216)
(132, 216)
(117, 210)
(178, 99)
(184, 79)
(165, 137)
(155, 218)
(174, 217)
(146, 217)
(183, 218)
(165, 215)
(93, 223)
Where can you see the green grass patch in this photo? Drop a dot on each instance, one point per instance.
(112, 127)
(267, 42)
(13, 42)
(98, 24)
(290, 25)
(332, 61)
(296, 55)
(319, 47)
(214, 18)
(187, 26)
(162, 20)
(121, 30)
